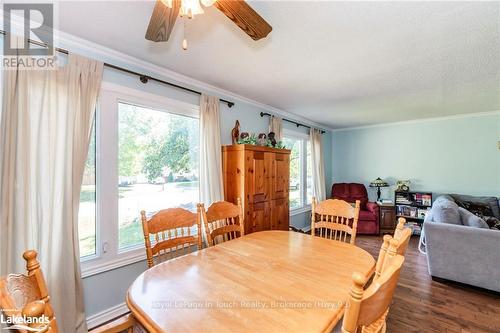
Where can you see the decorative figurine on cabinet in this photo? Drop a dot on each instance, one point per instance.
(235, 132)
(272, 139)
(244, 135)
(262, 139)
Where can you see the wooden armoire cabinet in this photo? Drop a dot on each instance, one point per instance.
(260, 177)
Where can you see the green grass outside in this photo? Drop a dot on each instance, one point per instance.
(87, 194)
(130, 234)
(87, 245)
(187, 184)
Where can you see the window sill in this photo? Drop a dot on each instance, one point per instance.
(300, 210)
(98, 266)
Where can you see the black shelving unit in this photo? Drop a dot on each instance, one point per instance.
(412, 205)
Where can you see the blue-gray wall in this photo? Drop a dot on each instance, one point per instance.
(453, 155)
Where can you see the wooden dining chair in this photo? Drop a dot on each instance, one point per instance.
(381, 255)
(27, 295)
(402, 235)
(366, 310)
(169, 233)
(395, 245)
(223, 221)
(335, 219)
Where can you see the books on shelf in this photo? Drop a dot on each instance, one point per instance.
(426, 200)
(421, 213)
(408, 211)
(417, 199)
(416, 228)
(400, 199)
(413, 205)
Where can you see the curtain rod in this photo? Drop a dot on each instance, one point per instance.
(262, 114)
(143, 78)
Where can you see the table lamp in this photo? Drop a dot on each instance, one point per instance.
(378, 183)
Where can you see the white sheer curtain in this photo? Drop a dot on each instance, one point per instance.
(45, 131)
(276, 126)
(211, 188)
(318, 167)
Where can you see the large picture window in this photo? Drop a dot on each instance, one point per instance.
(143, 155)
(157, 166)
(87, 211)
(300, 170)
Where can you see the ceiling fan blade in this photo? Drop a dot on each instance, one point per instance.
(245, 17)
(162, 21)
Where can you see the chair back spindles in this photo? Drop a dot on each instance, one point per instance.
(355, 298)
(388, 251)
(402, 235)
(393, 245)
(392, 250)
(223, 222)
(399, 227)
(335, 219)
(381, 255)
(366, 310)
(169, 234)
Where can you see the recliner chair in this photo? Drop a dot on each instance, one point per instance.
(368, 222)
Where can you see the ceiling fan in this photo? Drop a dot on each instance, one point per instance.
(165, 14)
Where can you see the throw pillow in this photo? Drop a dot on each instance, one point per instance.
(471, 220)
(476, 208)
(493, 222)
(446, 211)
(492, 202)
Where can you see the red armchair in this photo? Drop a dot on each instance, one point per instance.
(368, 222)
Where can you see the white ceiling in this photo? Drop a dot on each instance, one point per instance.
(340, 64)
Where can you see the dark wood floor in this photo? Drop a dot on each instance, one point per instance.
(423, 305)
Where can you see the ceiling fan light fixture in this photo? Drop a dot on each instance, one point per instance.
(190, 8)
(166, 12)
(207, 3)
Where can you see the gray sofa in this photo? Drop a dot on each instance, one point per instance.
(461, 247)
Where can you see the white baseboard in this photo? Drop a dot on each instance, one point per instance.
(306, 229)
(106, 315)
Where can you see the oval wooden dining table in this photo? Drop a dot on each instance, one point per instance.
(269, 281)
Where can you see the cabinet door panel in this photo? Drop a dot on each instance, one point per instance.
(233, 175)
(258, 165)
(387, 219)
(280, 176)
(257, 217)
(280, 214)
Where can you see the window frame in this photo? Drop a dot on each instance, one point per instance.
(304, 141)
(108, 255)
